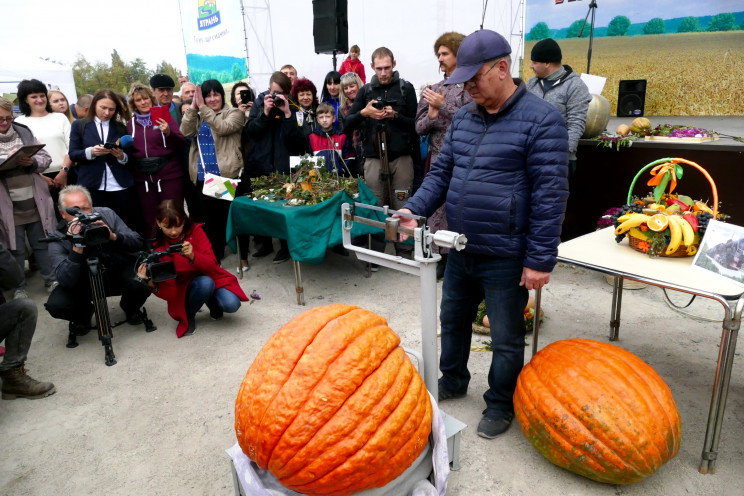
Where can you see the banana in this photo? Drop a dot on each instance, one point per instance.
(635, 220)
(692, 249)
(676, 231)
(625, 217)
(688, 235)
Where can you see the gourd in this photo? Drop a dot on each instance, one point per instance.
(332, 404)
(598, 411)
(597, 116)
(640, 125)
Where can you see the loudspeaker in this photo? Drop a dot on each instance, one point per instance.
(330, 26)
(631, 97)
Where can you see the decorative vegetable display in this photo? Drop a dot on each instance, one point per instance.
(598, 411)
(332, 404)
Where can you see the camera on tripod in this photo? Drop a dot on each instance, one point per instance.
(160, 271)
(381, 103)
(89, 234)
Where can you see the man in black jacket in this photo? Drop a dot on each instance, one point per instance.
(17, 326)
(71, 299)
(274, 134)
(385, 109)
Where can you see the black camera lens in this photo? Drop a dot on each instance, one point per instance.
(379, 104)
(278, 102)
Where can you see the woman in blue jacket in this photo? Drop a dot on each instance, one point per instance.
(101, 161)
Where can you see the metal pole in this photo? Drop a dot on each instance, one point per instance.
(429, 326)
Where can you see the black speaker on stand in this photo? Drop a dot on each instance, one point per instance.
(330, 27)
(631, 97)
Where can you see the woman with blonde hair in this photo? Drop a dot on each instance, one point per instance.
(157, 146)
(59, 104)
(351, 83)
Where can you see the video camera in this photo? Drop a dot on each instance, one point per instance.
(160, 271)
(380, 103)
(90, 234)
(278, 102)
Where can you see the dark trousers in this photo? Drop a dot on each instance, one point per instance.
(469, 278)
(75, 303)
(151, 193)
(17, 326)
(123, 203)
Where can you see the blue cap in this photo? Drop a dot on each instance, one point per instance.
(476, 49)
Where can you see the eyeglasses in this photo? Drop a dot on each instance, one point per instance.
(473, 82)
(348, 75)
(6, 119)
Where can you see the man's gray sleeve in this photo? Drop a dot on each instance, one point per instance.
(576, 109)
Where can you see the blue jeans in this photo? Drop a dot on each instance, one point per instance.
(469, 278)
(201, 290)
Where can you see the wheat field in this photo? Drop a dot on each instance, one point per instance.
(687, 73)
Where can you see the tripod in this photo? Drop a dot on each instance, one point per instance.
(103, 320)
(592, 10)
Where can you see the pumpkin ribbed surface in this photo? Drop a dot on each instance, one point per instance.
(598, 411)
(332, 404)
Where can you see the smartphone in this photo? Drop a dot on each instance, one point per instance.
(245, 96)
(110, 145)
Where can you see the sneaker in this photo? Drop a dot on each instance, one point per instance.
(50, 287)
(281, 256)
(266, 249)
(373, 267)
(19, 293)
(490, 428)
(242, 268)
(445, 394)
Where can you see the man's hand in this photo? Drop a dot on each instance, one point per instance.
(60, 180)
(406, 222)
(435, 100)
(372, 112)
(118, 153)
(268, 104)
(533, 279)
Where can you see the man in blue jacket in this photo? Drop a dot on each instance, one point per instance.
(503, 174)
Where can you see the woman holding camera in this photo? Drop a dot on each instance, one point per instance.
(156, 150)
(102, 164)
(199, 278)
(216, 128)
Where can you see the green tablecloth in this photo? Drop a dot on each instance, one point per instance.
(309, 230)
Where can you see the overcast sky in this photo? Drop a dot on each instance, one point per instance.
(151, 30)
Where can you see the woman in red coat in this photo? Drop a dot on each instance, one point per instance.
(199, 279)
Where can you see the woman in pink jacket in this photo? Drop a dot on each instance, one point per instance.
(157, 149)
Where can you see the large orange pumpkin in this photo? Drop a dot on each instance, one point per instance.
(598, 411)
(332, 404)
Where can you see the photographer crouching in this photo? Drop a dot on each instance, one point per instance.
(79, 235)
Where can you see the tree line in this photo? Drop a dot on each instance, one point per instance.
(619, 26)
(118, 75)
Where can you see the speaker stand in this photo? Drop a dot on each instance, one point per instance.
(334, 60)
(592, 10)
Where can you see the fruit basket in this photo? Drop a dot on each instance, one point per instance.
(665, 224)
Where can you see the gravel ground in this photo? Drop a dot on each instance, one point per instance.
(158, 421)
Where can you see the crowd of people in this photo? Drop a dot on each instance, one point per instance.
(495, 168)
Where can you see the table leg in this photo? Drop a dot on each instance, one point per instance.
(720, 391)
(536, 320)
(237, 245)
(298, 283)
(617, 301)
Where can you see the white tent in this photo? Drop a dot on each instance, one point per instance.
(55, 76)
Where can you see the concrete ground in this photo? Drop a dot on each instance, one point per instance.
(158, 422)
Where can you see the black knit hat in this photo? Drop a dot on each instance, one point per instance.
(161, 81)
(546, 50)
